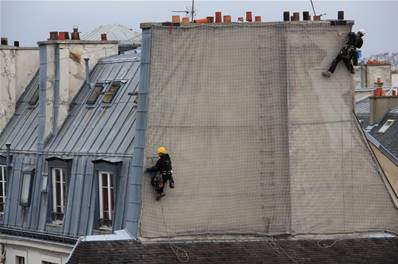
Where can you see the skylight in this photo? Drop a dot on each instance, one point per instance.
(95, 94)
(386, 126)
(111, 92)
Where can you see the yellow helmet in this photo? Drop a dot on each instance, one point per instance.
(162, 150)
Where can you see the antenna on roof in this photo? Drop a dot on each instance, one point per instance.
(313, 8)
(188, 10)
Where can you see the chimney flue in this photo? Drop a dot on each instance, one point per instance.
(75, 33)
(4, 41)
(104, 37)
(16, 43)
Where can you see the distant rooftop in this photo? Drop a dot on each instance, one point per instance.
(122, 34)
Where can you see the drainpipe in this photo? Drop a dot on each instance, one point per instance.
(42, 98)
(137, 167)
(56, 90)
(8, 158)
(86, 61)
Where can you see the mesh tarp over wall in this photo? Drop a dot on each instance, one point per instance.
(260, 142)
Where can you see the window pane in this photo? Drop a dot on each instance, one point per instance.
(95, 94)
(25, 188)
(110, 94)
(104, 179)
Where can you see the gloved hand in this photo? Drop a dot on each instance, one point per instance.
(171, 184)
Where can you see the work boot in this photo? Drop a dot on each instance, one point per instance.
(327, 74)
(160, 196)
(171, 184)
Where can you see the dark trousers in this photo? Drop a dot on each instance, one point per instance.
(346, 55)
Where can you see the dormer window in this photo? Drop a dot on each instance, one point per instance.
(26, 187)
(59, 171)
(106, 173)
(111, 92)
(386, 126)
(95, 93)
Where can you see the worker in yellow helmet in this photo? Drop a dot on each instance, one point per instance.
(162, 172)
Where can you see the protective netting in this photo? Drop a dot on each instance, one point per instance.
(260, 141)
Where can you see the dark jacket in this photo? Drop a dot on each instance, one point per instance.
(163, 165)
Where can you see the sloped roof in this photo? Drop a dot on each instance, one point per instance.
(120, 33)
(389, 139)
(364, 250)
(102, 128)
(21, 130)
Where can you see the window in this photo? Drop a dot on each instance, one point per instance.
(386, 126)
(19, 260)
(106, 198)
(97, 91)
(111, 92)
(59, 170)
(27, 179)
(3, 184)
(58, 191)
(35, 98)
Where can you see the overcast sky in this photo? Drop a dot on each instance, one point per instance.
(30, 21)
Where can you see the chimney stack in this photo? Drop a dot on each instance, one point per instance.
(286, 16)
(16, 43)
(4, 41)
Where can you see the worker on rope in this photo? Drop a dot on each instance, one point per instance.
(348, 53)
(161, 173)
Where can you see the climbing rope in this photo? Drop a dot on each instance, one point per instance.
(180, 253)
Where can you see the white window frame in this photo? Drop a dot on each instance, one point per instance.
(58, 204)
(3, 184)
(109, 194)
(386, 125)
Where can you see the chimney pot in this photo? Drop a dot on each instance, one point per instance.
(61, 36)
(227, 19)
(104, 37)
(218, 17)
(210, 19)
(53, 35)
(306, 16)
(317, 18)
(286, 16)
(201, 21)
(75, 36)
(257, 19)
(340, 15)
(4, 41)
(75, 29)
(296, 16)
(185, 21)
(16, 43)
(249, 16)
(175, 19)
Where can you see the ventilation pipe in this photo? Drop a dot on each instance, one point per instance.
(86, 63)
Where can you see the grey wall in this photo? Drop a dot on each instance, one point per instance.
(260, 141)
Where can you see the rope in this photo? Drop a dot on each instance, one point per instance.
(180, 253)
(325, 245)
(280, 250)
